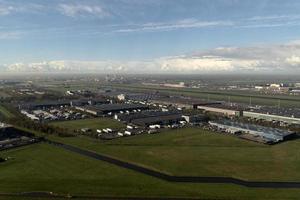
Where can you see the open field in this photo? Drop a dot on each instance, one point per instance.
(194, 152)
(269, 100)
(94, 124)
(5, 112)
(4, 95)
(42, 167)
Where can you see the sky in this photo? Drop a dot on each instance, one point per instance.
(150, 36)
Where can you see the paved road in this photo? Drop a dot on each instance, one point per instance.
(183, 179)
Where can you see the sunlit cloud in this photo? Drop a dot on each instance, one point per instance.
(268, 58)
(82, 10)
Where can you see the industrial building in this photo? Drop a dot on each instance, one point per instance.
(272, 117)
(138, 96)
(44, 105)
(151, 117)
(11, 137)
(195, 119)
(104, 109)
(286, 115)
(84, 102)
(182, 102)
(161, 120)
(229, 111)
(144, 114)
(253, 132)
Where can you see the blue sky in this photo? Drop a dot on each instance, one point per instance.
(143, 30)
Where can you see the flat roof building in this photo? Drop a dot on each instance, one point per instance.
(84, 102)
(151, 117)
(111, 108)
(161, 120)
(267, 134)
(183, 102)
(271, 117)
(221, 109)
(44, 104)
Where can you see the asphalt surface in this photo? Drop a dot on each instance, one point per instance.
(177, 179)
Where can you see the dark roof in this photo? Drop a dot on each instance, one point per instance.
(185, 100)
(116, 107)
(46, 104)
(146, 114)
(153, 120)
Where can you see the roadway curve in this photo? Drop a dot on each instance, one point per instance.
(178, 179)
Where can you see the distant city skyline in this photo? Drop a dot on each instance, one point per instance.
(150, 36)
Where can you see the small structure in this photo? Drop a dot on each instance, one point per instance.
(85, 130)
(194, 118)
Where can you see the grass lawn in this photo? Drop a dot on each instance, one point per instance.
(94, 124)
(5, 112)
(42, 167)
(195, 152)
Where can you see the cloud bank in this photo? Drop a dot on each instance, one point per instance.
(283, 58)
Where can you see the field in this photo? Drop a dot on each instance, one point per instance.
(4, 95)
(42, 167)
(194, 152)
(238, 97)
(5, 112)
(94, 124)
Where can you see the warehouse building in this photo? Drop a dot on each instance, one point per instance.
(151, 117)
(85, 102)
(128, 118)
(253, 132)
(9, 132)
(161, 120)
(229, 111)
(182, 102)
(99, 110)
(195, 119)
(271, 117)
(44, 105)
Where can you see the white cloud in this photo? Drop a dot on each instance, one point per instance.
(9, 35)
(181, 24)
(283, 58)
(207, 64)
(293, 60)
(105, 66)
(5, 10)
(82, 10)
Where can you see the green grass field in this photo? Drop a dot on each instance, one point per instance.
(42, 167)
(94, 124)
(5, 112)
(194, 152)
(238, 97)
